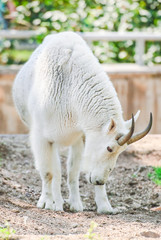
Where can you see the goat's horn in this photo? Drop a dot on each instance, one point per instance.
(140, 135)
(125, 138)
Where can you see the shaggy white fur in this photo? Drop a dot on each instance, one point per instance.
(63, 95)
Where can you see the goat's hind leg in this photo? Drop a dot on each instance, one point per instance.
(43, 154)
(73, 169)
(56, 184)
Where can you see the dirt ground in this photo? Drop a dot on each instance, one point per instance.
(129, 189)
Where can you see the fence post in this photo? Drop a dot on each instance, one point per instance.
(89, 43)
(139, 51)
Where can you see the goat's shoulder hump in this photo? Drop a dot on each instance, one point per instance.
(64, 39)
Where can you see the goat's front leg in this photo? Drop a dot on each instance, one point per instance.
(47, 164)
(101, 199)
(73, 169)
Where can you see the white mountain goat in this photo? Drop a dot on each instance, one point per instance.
(63, 95)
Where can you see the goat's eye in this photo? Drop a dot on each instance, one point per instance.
(109, 149)
(112, 125)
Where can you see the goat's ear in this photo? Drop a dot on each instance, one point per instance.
(111, 127)
(128, 122)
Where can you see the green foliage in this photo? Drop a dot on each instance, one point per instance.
(44, 238)
(92, 16)
(12, 56)
(7, 232)
(87, 15)
(155, 176)
(90, 234)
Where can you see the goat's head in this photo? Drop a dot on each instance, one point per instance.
(102, 149)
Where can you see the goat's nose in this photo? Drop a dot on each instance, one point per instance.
(99, 182)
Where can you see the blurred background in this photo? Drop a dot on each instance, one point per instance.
(124, 35)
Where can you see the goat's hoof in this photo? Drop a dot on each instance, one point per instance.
(108, 211)
(76, 206)
(47, 204)
(58, 207)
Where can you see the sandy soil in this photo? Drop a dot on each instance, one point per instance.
(128, 188)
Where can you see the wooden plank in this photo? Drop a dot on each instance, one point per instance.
(18, 34)
(89, 36)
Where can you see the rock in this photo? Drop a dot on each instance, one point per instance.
(156, 208)
(150, 234)
(136, 205)
(75, 225)
(128, 200)
(132, 193)
(133, 183)
(15, 210)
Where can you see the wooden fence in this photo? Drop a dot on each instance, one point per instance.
(138, 86)
(139, 37)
